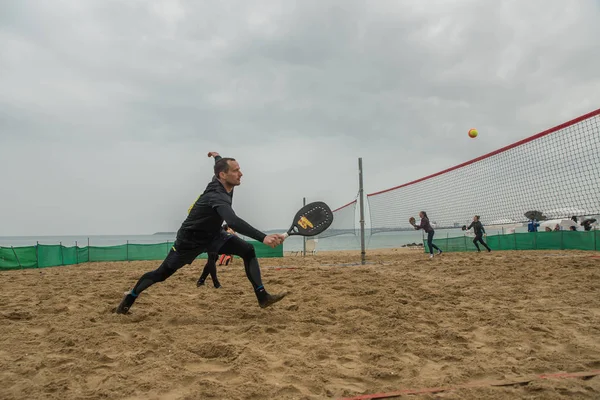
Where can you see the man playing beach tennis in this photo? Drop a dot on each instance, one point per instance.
(201, 233)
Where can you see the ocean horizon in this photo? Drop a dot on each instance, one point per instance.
(379, 240)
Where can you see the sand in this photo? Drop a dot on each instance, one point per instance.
(400, 322)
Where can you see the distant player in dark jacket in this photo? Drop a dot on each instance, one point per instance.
(479, 231)
(201, 232)
(210, 268)
(426, 226)
(211, 264)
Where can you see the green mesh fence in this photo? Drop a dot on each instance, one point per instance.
(110, 253)
(148, 251)
(53, 255)
(18, 257)
(42, 255)
(561, 240)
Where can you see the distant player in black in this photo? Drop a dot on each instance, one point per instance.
(211, 264)
(201, 232)
(426, 226)
(479, 231)
(210, 269)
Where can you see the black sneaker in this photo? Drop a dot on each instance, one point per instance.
(271, 299)
(199, 283)
(218, 286)
(126, 303)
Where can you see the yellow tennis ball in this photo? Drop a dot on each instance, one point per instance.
(473, 133)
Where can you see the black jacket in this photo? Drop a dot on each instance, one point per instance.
(205, 219)
(477, 228)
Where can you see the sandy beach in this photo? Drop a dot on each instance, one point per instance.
(401, 321)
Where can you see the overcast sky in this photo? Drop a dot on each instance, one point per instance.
(108, 108)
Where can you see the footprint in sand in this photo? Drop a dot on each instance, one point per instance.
(207, 366)
(42, 331)
(18, 315)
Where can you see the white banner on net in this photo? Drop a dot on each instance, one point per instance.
(556, 172)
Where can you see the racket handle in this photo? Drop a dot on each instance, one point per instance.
(285, 235)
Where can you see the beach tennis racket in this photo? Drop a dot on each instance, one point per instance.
(310, 220)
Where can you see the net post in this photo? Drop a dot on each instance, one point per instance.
(62, 258)
(17, 257)
(127, 250)
(88, 249)
(76, 252)
(362, 211)
(303, 237)
(37, 257)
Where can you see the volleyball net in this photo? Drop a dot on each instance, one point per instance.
(555, 172)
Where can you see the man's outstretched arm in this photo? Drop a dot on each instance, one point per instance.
(241, 226)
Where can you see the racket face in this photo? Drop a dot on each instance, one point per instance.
(312, 219)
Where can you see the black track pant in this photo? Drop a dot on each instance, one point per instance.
(479, 238)
(238, 247)
(182, 254)
(210, 268)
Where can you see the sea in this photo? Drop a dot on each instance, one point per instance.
(381, 240)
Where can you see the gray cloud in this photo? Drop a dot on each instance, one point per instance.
(107, 108)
